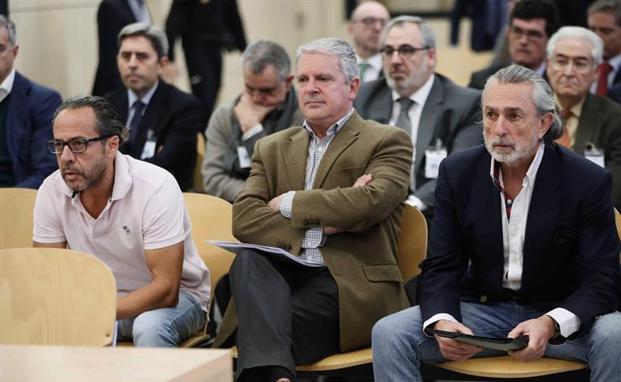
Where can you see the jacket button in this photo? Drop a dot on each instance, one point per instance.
(483, 299)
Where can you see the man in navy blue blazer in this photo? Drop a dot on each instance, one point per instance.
(26, 112)
(523, 242)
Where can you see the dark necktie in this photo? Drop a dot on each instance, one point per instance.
(403, 119)
(134, 124)
(602, 79)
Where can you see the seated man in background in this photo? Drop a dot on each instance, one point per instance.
(128, 213)
(523, 242)
(440, 116)
(330, 193)
(163, 121)
(267, 104)
(591, 123)
(26, 112)
(531, 23)
(604, 18)
(365, 26)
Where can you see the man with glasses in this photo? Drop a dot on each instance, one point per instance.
(591, 122)
(163, 121)
(440, 116)
(128, 213)
(531, 23)
(267, 104)
(26, 112)
(367, 22)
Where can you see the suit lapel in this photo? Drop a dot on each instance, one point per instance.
(383, 99)
(16, 116)
(345, 137)
(589, 123)
(427, 124)
(294, 156)
(543, 212)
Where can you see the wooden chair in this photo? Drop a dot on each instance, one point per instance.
(55, 297)
(16, 205)
(200, 155)
(412, 250)
(505, 367)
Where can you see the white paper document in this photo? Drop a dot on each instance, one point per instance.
(279, 253)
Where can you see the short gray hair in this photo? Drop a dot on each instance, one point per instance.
(429, 38)
(153, 33)
(578, 33)
(107, 120)
(262, 53)
(542, 95)
(335, 47)
(10, 28)
(607, 6)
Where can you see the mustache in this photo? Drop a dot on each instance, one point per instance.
(65, 169)
(501, 141)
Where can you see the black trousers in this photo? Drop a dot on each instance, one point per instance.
(204, 63)
(288, 315)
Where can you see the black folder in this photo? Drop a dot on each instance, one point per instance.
(504, 344)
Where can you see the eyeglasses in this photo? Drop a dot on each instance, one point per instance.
(581, 65)
(371, 21)
(405, 51)
(531, 35)
(76, 145)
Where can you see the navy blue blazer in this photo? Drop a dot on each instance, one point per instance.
(29, 127)
(571, 247)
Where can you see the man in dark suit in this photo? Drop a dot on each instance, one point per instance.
(591, 122)
(531, 23)
(112, 16)
(163, 121)
(523, 242)
(328, 192)
(604, 18)
(205, 28)
(440, 116)
(26, 113)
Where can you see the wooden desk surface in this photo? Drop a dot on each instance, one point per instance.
(68, 364)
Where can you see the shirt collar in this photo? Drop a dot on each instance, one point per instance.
(419, 96)
(375, 61)
(615, 62)
(531, 174)
(7, 84)
(575, 110)
(334, 128)
(132, 97)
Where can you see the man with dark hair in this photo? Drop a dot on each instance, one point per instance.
(267, 104)
(604, 18)
(163, 121)
(523, 243)
(531, 24)
(128, 213)
(26, 112)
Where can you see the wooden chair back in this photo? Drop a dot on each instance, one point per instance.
(16, 226)
(55, 297)
(212, 219)
(412, 242)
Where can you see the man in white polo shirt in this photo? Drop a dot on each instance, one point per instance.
(131, 215)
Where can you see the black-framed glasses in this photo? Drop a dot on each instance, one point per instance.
(76, 145)
(371, 21)
(405, 50)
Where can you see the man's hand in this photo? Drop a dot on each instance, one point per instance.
(362, 181)
(452, 349)
(248, 113)
(274, 204)
(539, 331)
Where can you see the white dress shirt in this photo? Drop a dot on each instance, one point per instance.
(7, 85)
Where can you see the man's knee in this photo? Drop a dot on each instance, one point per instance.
(606, 332)
(151, 330)
(397, 327)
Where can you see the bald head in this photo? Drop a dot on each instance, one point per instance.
(365, 26)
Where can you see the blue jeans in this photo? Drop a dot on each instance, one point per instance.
(164, 327)
(399, 344)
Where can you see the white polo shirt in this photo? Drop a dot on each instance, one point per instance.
(146, 211)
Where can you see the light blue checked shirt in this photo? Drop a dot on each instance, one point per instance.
(314, 237)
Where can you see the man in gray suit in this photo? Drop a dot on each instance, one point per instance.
(590, 122)
(440, 116)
